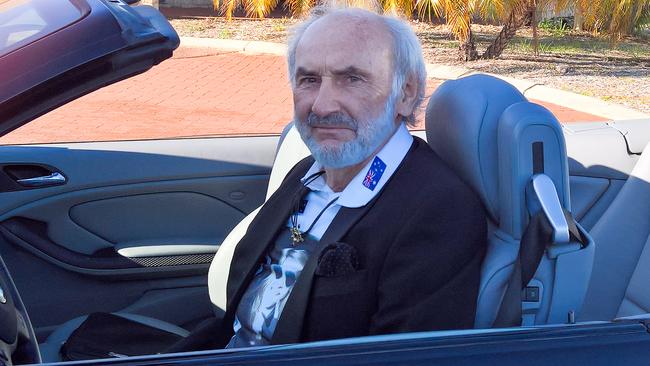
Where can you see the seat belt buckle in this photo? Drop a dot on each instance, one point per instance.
(531, 294)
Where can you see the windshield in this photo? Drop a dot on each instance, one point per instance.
(24, 21)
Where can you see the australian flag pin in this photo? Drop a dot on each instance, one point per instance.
(374, 174)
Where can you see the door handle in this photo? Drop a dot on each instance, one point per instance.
(53, 179)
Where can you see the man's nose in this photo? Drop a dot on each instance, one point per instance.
(326, 102)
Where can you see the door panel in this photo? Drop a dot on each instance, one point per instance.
(134, 226)
(105, 164)
(599, 164)
(600, 206)
(157, 219)
(191, 211)
(585, 192)
(54, 295)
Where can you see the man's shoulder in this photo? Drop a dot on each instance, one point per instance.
(425, 176)
(423, 163)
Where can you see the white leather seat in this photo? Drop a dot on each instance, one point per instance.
(488, 133)
(619, 281)
(290, 152)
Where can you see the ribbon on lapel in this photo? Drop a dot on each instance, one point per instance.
(290, 324)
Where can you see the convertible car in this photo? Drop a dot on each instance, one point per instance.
(132, 227)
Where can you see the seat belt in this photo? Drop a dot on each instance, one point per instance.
(536, 238)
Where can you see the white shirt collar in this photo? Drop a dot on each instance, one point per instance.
(356, 194)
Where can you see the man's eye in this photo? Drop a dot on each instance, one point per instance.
(353, 78)
(308, 80)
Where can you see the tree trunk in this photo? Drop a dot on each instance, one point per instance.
(578, 19)
(515, 21)
(533, 23)
(467, 49)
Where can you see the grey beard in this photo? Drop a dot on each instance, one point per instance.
(370, 136)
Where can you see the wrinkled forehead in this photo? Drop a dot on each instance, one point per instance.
(340, 41)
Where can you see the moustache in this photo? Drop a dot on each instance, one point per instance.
(338, 120)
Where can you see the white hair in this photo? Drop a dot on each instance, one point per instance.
(408, 61)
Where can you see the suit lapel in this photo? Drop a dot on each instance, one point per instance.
(290, 324)
(254, 244)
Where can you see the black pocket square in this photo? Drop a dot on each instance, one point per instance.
(337, 259)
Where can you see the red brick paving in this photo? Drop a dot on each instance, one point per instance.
(198, 92)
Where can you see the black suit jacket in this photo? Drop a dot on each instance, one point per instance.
(420, 244)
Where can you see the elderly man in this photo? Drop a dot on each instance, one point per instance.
(372, 234)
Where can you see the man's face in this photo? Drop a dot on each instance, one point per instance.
(343, 105)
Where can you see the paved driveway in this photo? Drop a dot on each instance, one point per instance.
(198, 92)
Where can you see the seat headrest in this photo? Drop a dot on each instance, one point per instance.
(461, 121)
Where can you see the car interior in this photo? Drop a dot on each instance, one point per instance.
(131, 227)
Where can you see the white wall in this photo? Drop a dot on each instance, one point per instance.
(551, 14)
(186, 3)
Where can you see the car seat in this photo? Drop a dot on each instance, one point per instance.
(503, 146)
(618, 286)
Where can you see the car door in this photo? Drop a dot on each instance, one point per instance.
(601, 157)
(110, 226)
(131, 226)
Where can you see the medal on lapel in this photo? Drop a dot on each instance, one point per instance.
(296, 235)
(294, 231)
(299, 207)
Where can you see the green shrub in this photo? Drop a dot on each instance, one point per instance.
(558, 26)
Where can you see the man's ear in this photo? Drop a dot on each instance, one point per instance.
(406, 101)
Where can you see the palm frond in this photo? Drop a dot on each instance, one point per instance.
(227, 8)
(644, 19)
(391, 6)
(299, 8)
(259, 8)
(491, 9)
(624, 17)
(459, 16)
(427, 8)
(406, 7)
(615, 17)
